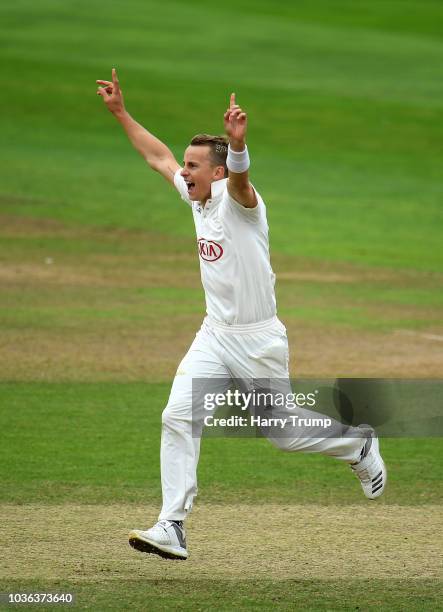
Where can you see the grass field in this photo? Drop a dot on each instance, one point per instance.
(100, 295)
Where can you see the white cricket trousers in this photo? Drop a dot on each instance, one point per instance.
(255, 351)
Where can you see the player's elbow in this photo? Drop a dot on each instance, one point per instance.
(153, 162)
(158, 164)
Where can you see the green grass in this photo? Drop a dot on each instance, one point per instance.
(400, 301)
(345, 105)
(345, 117)
(100, 443)
(394, 595)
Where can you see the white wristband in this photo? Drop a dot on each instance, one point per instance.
(237, 161)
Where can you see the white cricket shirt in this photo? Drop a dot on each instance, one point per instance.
(233, 248)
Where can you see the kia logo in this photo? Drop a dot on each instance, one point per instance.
(209, 250)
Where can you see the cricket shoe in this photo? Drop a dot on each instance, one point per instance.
(371, 469)
(166, 538)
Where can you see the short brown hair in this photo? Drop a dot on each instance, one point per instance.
(218, 146)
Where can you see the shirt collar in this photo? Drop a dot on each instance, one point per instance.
(217, 188)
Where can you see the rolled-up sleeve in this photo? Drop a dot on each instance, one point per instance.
(232, 208)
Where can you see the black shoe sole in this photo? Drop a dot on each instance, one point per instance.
(144, 547)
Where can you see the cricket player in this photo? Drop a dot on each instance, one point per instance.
(241, 336)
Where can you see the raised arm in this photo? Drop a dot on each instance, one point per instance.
(153, 150)
(239, 187)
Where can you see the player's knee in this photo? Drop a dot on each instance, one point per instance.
(169, 418)
(175, 415)
(283, 444)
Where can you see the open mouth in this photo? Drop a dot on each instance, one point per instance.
(190, 186)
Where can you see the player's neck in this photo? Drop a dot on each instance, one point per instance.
(206, 198)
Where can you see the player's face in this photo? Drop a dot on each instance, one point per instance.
(199, 172)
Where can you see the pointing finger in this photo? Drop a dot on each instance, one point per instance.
(115, 79)
(232, 101)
